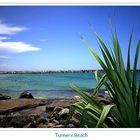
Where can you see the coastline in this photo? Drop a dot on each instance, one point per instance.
(45, 71)
(50, 71)
(40, 113)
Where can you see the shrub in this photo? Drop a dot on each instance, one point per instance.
(122, 87)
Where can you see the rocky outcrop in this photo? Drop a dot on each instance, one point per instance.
(26, 95)
(4, 97)
(102, 100)
(34, 113)
(13, 105)
(40, 113)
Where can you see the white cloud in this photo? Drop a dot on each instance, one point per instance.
(17, 47)
(11, 46)
(4, 38)
(9, 29)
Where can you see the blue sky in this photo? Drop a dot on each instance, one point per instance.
(47, 38)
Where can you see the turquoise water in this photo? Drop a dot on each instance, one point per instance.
(54, 85)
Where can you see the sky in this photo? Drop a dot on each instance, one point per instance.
(48, 38)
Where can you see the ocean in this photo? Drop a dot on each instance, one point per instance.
(50, 85)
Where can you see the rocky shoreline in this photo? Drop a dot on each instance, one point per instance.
(46, 71)
(28, 112)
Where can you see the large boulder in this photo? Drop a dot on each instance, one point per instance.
(4, 97)
(26, 95)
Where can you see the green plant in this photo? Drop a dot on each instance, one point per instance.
(122, 88)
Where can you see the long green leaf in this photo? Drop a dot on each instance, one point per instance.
(85, 96)
(128, 59)
(99, 84)
(104, 114)
(134, 85)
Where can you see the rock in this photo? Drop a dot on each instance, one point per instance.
(42, 120)
(43, 115)
(103, 100)
(70, 125)
(75, 122)
(26, 95)
(41, 125)
(9, 106)
(76, 115)
(60, 103)
(50, 115)
(58, 126)
(77, 98)
(50, 125)
(20, 121)
(57, 110)
(62, 122)
(109, 100)
(55, 122)
(5, 121)
(100, 95)
(57, 116)
(63, 113)
(49, 108)
(28, 125)
(4, 97)
(31, 113)
(33, 124)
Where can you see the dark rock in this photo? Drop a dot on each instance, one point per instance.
(5, 121)
(51, 119)
(62, 122)
(42, 120)
(20, 121)
(26, 95)
(57, 116)
(28, 125)
(49, 108)
(63, 113)
(75, 122)
(33, 124)
(41, 125)
(4, 97)
(100, 95)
